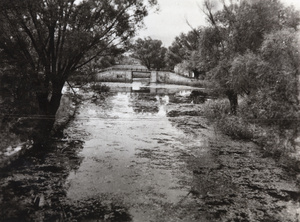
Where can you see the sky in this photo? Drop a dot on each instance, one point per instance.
(171, 19)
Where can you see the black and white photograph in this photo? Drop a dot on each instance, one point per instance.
(149, 110)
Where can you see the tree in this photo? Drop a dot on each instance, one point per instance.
(277, 96)
(176, 53)
(150, 52)
(237, 30)
(48, 40)
(184, 51)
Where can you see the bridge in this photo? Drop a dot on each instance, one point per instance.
(129, 74)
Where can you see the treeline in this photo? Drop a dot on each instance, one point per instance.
(44, 44)
(249, 51)
(249, 47)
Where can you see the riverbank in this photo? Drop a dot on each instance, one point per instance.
(15, 145)
(233, 180)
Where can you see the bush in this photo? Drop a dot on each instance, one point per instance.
(216, 109)
(275, 142)
(100, 88)
(198, 96)
(80, 78)
(235, 127)
(261, 108)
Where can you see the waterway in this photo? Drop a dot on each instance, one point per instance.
(133, 152)
(145, 154)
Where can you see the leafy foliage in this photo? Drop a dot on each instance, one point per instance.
(43, 43)
(235, 127)
(215, 109)
(251, 49)
(52, 39)
(234, 48)
(150, 52)
(243, 73)
(184, 52)
(277, 85)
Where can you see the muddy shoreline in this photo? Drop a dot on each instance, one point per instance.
(234, 181)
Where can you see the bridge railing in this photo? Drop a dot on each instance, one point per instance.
(141, 70)
(134, 69)
(127, 69)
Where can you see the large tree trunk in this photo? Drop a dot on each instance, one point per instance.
(48, 108)
(233, 99)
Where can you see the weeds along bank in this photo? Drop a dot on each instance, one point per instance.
(19, 120)
(18, 131)
(277, 137)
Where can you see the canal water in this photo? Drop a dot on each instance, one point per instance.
(132, 153)
(144, 154)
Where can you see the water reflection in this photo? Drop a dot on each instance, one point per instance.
(144, 103)
(177, 93)
(134, 105)
(152, 88)
(141, 87)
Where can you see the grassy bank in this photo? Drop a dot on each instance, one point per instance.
(274, 140)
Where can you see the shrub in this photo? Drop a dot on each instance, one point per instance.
(235, 127)
(275, 142)
(100, 88)
(215, 109)
(198, 96)
(267, 111)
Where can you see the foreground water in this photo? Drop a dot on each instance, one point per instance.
(133, 153)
